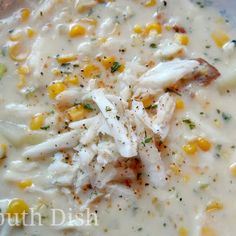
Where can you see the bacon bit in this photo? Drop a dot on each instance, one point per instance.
(203, 75)
(179, 29)
(207, 74)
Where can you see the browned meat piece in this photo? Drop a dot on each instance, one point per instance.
(207, 73)
(179, 29)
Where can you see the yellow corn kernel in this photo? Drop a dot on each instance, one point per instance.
(153, 27)
(207, 231)
(15, 36)
(17, 52)
(17, 207)
(107, 62)
(147, 101)
(25, 14)
(203, 144)
(90, 70)
(233, 169)
(71, 80)
(23, 70)
(183, 231)
(190, 148)
(77, 30)
(56, 71)
(179, 104)
(138, 29)
(90, 21)
(3, 150)
(121, 68)
(77, 113)
(56, 88)
(220, 38)
(37, 121)
(22, 82)
(150, 3)
(25, 184)
(183, 39)
(175, 169)
(30, 32)
(214, 206)
(66, 59)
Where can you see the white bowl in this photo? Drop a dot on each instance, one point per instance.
(226, 8)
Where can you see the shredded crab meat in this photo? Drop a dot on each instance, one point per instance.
(57, 143)
(61, 174)
(165, 112)
(151, 158)
(159, 123)
(92, 131)
(168, 74)
(68, 97)
(124, 140)
(153, 164)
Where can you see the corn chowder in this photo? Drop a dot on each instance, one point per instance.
(119, 111)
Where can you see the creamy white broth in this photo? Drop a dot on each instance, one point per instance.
(194, 181)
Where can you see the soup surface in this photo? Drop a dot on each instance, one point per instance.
(117, 118)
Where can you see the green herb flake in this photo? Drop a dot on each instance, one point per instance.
(190, 123)
(226, 116)
(152, 107)
(45, 127)
(3, 70)
(88, 107)
(115, 66)
(147, 140)
(203, 186)
(218, 149)
(153, 45)
(11, 31)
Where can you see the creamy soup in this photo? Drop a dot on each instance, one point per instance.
(117, 118)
